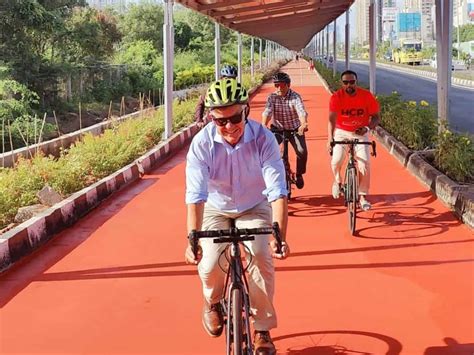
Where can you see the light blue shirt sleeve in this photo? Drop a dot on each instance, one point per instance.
(197, 172)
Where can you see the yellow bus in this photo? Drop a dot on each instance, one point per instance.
(409, 52)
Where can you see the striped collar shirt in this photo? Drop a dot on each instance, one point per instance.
(234, 179)
(285, 110)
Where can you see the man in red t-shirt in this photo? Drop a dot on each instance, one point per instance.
(353, 112)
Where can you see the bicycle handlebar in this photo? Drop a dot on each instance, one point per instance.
(234, 235)
(283, 132)
(355, 142)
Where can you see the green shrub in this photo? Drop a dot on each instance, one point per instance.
(333, 82)
(454, 155)
(414, 124)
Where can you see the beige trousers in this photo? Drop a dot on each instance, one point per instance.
(261, 273)
(362, 153)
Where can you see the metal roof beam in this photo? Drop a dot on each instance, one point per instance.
(225, 3)
(269, 26)
(294, 10)
(279, 5)
(285, 18)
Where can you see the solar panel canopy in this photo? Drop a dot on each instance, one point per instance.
(290, 23)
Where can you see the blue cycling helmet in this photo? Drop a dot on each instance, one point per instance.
(229, 71)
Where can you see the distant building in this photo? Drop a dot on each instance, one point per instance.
(409, 25)
(362, 21)
(412, 5)
(389, 18)
(119, 5)
(427, 21)
(463, 12)
(470, 11)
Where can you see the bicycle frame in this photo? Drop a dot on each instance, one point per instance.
(238, 282)
(350, 187)
(290, 175)
(237, 305)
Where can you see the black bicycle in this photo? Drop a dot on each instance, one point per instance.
(350, 187)
(284, 136)
(236, 303)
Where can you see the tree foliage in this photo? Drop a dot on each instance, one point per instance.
(90, 36)
(466, 33)
(144, 22)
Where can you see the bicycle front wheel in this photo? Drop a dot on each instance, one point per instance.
(237, 324)
(352, 197)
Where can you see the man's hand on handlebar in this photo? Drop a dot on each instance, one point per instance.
(189, 255)
(361, 131)
(303, 128)
(285, 250)
(329, 146)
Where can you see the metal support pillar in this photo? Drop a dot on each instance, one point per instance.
(239, 57)
(217, 51)
(327, 46)
(444, 19)
(372, 45)
(168, 53)
(252, 58)
(347, 39)
(334, 50)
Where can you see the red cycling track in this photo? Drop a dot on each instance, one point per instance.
(116, 282)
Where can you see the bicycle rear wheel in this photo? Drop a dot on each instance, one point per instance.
(352, 198)
(237, 324)
(288, 183)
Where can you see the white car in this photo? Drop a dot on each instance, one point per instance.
(458, 65)
(455, 64)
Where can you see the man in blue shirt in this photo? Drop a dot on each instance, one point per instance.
(234, 171)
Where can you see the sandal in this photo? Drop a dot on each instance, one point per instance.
(365, 205)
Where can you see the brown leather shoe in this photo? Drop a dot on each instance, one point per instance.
(263, 343)
(212, 319)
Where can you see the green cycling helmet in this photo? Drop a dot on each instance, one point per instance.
(225, 92)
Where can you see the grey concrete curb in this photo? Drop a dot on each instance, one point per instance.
(397, 149)
(28, 236)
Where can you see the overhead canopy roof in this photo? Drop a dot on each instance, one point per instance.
(291, 23)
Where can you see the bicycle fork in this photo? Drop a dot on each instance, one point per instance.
(236, 276)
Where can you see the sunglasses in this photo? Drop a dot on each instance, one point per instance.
(280, 85)
(346, 82)
(236, 119)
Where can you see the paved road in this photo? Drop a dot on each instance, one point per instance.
(418, 88)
